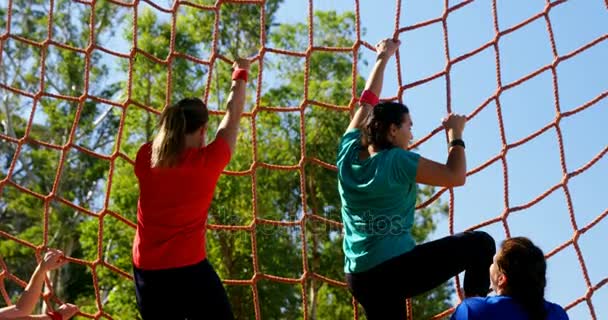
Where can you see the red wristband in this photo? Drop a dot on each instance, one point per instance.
(369, 97)
(54, 315)
(240, 74)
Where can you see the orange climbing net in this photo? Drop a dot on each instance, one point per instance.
(357, 46)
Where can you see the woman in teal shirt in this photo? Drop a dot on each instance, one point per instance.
(378, 178)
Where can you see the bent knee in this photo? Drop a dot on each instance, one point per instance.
(485, 242)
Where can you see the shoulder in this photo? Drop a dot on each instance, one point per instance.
(349, 141)
(403, 154)
(217, 154)
(479, 303)
(219, 143)
(403, 163)
(219, 147)
(469, 309)
(482, 308)
(350, 136)
(144, 155)
(145, 148)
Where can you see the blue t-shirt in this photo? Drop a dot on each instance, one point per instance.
(501, 308)
(378, 200)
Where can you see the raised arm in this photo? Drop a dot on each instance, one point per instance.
(53, 259)
(229, 127)
(384, 50)
(454, 171)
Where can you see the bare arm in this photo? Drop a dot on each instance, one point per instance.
(53, 259)
(229, 127)
(384, 49)
(29, 298)
(454, 171)
(66, 311)
(14, 317)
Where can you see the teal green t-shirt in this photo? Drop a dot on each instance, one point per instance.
(378, 200)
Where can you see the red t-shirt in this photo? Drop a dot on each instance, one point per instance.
(173, 204)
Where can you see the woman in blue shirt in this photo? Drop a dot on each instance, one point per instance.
(378, 177)
(518, 278)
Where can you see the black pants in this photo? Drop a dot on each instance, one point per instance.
(383, 289)
(192, 292)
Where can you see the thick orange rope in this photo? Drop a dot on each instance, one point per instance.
(358, 45)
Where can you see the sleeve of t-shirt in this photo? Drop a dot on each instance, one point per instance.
(351, 136)
(143, 159)
(405, 164)
(218, 154)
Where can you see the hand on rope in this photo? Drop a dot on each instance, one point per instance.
(64, 312)
(454, 172)
(387, 47)
(454, 124)
(52, 260)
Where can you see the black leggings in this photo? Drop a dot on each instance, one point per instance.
(192, 292)
(383, 289)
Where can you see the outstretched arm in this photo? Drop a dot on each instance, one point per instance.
(53, 259)
(384, 50)
(229, 127)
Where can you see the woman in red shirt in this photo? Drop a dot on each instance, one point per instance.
(177, 176)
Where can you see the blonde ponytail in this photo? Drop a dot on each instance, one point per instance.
(170, 141)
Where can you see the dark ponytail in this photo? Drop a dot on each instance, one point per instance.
(378, 123)
(185, 117)
(524, 266)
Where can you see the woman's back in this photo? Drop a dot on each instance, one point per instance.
(378, 201)
(173, 204)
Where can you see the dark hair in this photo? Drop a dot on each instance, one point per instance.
(379, 123)
(184, 117)
(524, 266)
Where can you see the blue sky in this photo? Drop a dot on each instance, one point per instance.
(533, 167)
